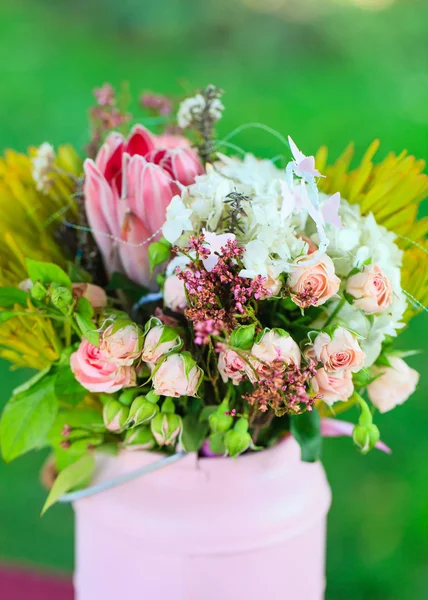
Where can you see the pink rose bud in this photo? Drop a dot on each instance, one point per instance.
(277, 344)
(95, 295)
(142, 411)
(166, 426)
(233, 366)
(174, 295)
(178, 375)
(96, 374)
(371, 289)
(366, 437)
(160, 340)
(139, 438)
(219, 421)
(333, 387)
(121, 343)
(312, 284)
(115, 415)
(238, 440)
(341, 351)
(393, 385)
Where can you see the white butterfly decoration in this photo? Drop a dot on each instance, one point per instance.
(303, 166)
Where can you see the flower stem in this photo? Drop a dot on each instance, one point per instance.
(335, 312)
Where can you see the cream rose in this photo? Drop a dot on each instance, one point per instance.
(333, 387)
(339, 352)
(314, 283)
(174, 295)
(96, 374)
(172, 378)
(371, 289)
(393, 385)
(154, 348)
(121, 345)
(277, 344)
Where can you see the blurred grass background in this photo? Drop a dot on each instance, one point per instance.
(326, 72)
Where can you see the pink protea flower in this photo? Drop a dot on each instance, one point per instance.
(127, 190)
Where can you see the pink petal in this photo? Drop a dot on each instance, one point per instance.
(113, 142)
(98, 201)
(330, 211)
(140, 142)
(155, 194)
(169, 141)
(307, 167)
(338, 428)
(135, 258)
(185, 165)
(215, 242)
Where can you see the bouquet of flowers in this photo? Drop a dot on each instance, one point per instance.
(174, 296)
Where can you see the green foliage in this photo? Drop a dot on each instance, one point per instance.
(159, 253)
(119, 281)
(194, 432)
(306, 429)
(47, 273)
(67, 389)
(71, 477)
(28, 416)
(89, 329)
(10, 296)
(84, 308)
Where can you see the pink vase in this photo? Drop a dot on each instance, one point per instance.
(205, 529)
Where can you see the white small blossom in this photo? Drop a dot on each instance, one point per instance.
(42, 165)
(193, 107)
(177, 220)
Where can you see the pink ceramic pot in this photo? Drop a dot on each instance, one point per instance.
(205, 529)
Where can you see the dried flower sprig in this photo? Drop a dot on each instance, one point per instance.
(284, 388)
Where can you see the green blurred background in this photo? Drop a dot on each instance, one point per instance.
(325, 71)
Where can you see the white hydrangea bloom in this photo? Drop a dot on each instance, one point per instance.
(42, 165)
(177, 220)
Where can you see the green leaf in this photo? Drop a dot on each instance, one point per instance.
(9, 296)
(158, 253)
(32, 381)
(28, 417)
(119, 281)
(5, 315)
(306, 429)
(77, 274)
(194, 433)
(81, 418)
(89, 329)
(84, 308)
(67, 388)
(243, 337)
(71, 477)
(47, 273)
(206, 412)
